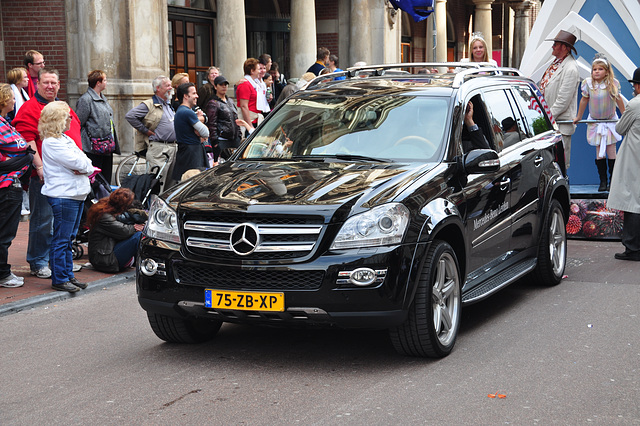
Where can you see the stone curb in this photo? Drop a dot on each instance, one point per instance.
(48, 298)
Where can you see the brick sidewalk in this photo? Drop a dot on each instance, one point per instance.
(34, 287)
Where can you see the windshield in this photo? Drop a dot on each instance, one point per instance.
(384, 128)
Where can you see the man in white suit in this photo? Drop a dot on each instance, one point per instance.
(559, 84)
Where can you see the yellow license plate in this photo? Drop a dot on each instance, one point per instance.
(245, 301)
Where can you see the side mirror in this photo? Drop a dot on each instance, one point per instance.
(480, 161)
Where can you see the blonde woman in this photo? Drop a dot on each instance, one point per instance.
(19, 81)
(177, 80)
(478, 51)
(66, 185)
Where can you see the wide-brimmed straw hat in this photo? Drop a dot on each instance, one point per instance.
(565, 37)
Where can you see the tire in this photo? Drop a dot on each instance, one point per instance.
(177, 330)
(77, 251)
(552, 250)
(434, 315)
(130, 165)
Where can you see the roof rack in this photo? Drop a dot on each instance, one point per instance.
(469, 69)
(462, 76)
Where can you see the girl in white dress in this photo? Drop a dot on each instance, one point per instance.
(601, 92)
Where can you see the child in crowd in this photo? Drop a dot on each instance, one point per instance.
(268, 81)
(601, 92)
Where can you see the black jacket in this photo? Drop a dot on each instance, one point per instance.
(474, 140)
(102, 238)
(222, 119)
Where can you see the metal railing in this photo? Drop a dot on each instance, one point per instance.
(611, 120)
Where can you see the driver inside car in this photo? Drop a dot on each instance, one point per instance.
(472, 135)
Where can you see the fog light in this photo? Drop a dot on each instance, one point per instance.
(149, 267)
(362, 276)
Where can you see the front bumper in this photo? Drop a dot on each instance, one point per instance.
(313, 291)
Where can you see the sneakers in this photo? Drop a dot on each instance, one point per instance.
(43, 272)
(65, 287)
(12, 281)
(77, 283)
(131, 262)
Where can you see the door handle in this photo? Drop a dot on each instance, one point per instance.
(538, 161)
(504, 183)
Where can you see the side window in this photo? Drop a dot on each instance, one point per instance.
(535, 120)
(504, 121)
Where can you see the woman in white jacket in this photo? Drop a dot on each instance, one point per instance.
(66, 185)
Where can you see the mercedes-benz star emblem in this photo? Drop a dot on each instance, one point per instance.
(244, 239)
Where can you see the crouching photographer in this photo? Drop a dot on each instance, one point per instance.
(114, 231)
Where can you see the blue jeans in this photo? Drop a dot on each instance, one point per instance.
(126, 249)
(40, 226)
(66, 219)
(11, 204)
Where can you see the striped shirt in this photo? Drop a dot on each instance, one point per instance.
(11, 145)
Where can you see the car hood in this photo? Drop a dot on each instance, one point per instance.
(307, 187)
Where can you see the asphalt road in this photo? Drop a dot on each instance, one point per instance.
(563, 355)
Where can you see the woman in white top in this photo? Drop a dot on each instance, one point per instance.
(478, 50)
(19, 80)
(66, 185)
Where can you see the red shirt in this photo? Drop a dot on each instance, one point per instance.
(245, 90)
(26, 123)
(32, 87)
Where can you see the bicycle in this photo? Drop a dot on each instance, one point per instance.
(134, 164)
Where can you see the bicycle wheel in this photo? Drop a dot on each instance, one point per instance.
(130, 165)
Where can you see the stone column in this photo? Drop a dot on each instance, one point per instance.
(303, 36)
(507, 42)
(360, 34)
(521, 30)
(128, 41)
(482, 19)
(429, 53)
(231, 40)
(441, 30)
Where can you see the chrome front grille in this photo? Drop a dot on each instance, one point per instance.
(251, 239)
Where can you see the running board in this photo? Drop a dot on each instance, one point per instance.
(503, 279)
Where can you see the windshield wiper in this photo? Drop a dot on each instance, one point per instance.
(346, 157)
(352, 157)
(312, 157)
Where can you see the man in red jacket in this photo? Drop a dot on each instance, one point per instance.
(26, 123)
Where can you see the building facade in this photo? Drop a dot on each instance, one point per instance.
(133, 41)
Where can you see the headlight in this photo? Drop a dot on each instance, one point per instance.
(383, 225)
(163, 222)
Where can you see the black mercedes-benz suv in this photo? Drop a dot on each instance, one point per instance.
(389, 199)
